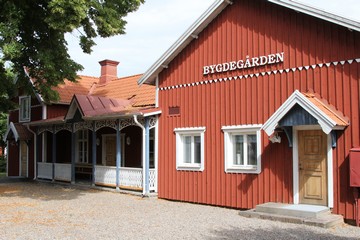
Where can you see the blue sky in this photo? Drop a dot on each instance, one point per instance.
(157, 25)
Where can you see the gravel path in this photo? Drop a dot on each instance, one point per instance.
(35, 210)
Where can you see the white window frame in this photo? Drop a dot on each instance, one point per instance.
(24, 103)
(83, 142)
(229, 132)
(180, 134)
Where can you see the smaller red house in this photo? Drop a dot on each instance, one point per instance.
(102, 130)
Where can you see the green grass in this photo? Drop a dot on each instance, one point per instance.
(2, 174)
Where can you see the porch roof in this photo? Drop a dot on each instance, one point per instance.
(18, 132)
(97, 107)
(56, 120)
(325, 114)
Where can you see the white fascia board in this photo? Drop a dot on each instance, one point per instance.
(198, 26)
(326, 123)
(12, 128)
(315, 12)
(38, 95)
(152, 113)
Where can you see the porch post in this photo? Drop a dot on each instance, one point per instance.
(73, 154)
(118, 155)
(93, 153)
(147, 155)
(53, 153)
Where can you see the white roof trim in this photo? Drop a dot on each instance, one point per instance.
(318, 13)
(194, 30)
(72, 109)
(38, 95)
(150, 75)
(12, 128)
(152, 113)
(327, 124)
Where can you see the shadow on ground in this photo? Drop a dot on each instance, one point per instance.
(45, 191)
(299, 232)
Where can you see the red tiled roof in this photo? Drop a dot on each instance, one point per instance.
(127, 88)
(68, 89)
(121, 88)
(327, 109)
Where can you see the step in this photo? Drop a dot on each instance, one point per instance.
(299, 214)
(294, 210)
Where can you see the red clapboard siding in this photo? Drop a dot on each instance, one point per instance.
(254, 28)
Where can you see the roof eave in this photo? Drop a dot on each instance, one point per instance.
(192, 32)
(315, 12)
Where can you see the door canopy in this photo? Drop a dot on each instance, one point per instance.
(318, 110)
(17, 132)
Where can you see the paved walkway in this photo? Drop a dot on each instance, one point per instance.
(37, 210)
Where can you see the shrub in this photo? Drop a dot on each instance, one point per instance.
(2, 164)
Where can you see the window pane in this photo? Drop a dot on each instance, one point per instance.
(197, 149)
(187, 149)
(24, 109)
(239, 150)
(251, 149)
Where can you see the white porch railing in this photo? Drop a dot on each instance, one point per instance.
(44, 170)
(63, 172)
(129, 177)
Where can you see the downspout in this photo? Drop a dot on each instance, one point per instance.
(144, 193)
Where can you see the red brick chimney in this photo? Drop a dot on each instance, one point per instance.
(108, 71)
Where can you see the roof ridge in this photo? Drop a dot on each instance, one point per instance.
(130, 76)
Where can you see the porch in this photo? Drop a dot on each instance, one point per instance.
(105, 148)
(129, 178)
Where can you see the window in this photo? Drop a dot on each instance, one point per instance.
(24, 113)
(190, 148)
(242, 146)
(82, 146)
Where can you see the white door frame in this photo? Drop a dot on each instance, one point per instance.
(330, 175)
(27, 159)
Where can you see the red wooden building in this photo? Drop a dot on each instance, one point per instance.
(260, 104)
(102, 131)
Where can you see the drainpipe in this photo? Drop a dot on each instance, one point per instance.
(144, 156)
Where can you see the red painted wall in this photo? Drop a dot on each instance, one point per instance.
(255, 28)
(13, 160)
(56, 110)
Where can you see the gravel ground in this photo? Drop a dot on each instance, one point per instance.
(37, 210)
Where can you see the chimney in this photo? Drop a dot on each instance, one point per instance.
(108, 71)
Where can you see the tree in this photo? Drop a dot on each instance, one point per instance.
(32, 35)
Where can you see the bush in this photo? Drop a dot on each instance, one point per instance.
(2, 164)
